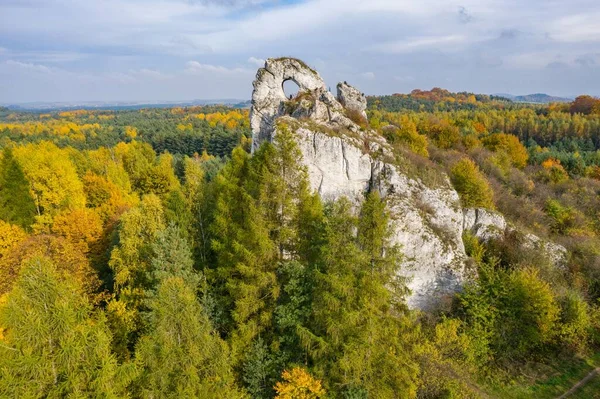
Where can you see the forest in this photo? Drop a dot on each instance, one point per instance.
(147, 254)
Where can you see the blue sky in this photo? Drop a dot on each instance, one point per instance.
(159, 50)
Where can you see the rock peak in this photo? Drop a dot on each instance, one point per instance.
(313, 101)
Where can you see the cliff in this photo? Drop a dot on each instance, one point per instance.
(345, 158)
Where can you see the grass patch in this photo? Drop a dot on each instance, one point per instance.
(591, 390)
(549, 380)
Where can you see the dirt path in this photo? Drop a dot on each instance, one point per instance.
(581, 383)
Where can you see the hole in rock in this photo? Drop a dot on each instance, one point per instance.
(290, 88)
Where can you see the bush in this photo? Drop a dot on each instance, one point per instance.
(407, 135)
(575, 321)
(510, 145)
(531, 313)
(471, 184)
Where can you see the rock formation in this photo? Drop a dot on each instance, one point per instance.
(352, 99)
(485, 225)
(344, 159)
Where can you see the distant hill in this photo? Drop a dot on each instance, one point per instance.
(117, 105)
(540, 98)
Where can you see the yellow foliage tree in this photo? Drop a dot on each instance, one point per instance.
(131, 132)
(71, 262)
(81, 227)
(10, 236)
(299, 384)
(509, 144)
(471, 184)
(54, 184)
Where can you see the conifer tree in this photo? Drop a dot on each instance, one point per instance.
(16, 204)
(182, 356)
(172, 257)
(280, 183)
(358, 337)
(130, 262)
(244, 278)
(53, 344)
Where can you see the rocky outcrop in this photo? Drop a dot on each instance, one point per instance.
(344, 160)
(313, 101)
(485, 225)
(352, 99)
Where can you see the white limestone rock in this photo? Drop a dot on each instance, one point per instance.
(485, 225)
(352, 99)
(345, 161)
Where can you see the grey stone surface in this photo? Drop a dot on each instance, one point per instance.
(345, 161)
(352, 99)
(485, 225)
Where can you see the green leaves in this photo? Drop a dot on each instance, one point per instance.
(181, 356)
(54, 345)
(471, 185)
(16, 203)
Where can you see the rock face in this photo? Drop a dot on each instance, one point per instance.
(485, 225)
(352, 99)
(345, 161)
(270, 102)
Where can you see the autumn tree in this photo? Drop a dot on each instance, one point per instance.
(471, 184)
(81, 227)
(298, 384)
(70, 263)
(10, 236)
(509, 145)
(54, 183)
(585, 105)
(54, 345)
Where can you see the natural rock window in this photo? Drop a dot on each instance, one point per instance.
(290, 88)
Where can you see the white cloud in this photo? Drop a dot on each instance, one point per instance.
(259, 62)
(151, 73)
(419, 43)
(577, 28)
(140, 47)
(368, 75)
(195, 67)
(29, 66)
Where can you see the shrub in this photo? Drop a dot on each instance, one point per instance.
(531, 313)
(575, 321)
(471, 184)
(510, 145)
(407, 135)
(443, 134)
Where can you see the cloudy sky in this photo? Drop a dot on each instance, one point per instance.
(158, 50)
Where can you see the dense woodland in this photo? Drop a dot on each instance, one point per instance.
(147, 254)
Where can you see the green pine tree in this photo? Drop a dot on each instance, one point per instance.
(244, 279)
(172, 257)
(359, 337)
(54, 345)
(182, 356)
(16, 203)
